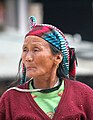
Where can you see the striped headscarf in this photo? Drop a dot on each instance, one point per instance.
(55, 37)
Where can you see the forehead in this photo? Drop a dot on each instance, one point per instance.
(35, 40)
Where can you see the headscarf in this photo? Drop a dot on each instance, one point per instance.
(54, 36)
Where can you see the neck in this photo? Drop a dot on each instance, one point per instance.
(45, 82)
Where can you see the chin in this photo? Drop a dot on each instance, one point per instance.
(30, 75)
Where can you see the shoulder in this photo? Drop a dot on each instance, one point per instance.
(74, 83)
(12, 91)
(79, 92)
(79, 87)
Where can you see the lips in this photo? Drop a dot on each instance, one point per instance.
(30, 68)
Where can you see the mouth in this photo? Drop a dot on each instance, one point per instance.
(30, 68)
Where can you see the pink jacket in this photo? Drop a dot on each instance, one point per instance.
(76, 104)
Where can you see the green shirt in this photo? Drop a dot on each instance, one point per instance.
(48, 102)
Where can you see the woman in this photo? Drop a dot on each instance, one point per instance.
(50, 93)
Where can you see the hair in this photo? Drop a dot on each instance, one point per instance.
(60, 70)
(72, 63)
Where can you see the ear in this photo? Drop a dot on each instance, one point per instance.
(58, 58)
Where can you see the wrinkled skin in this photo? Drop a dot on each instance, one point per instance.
(39, 61)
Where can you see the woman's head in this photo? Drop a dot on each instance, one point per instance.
(57, 43)
(38, 58)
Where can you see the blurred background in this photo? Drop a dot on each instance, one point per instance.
(73, 17)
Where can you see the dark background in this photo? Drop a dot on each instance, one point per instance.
(71, 16)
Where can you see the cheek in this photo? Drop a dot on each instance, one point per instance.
(45, 61)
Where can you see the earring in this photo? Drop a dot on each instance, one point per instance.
(57, 65)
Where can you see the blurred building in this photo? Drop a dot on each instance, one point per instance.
(14, 13)
(71, 16)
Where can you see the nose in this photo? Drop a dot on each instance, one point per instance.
(29, 57)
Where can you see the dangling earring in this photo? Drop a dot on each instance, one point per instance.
(58, 66)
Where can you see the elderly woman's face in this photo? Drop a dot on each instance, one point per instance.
(37, 57)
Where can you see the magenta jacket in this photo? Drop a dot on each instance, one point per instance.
(76, 104)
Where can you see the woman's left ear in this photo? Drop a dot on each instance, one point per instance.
(58, 58)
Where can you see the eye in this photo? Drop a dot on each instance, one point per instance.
(25, 49)
(36, 49)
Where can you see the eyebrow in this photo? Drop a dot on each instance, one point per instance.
(24, 45)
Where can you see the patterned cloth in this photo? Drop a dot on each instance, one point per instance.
(55, 37)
